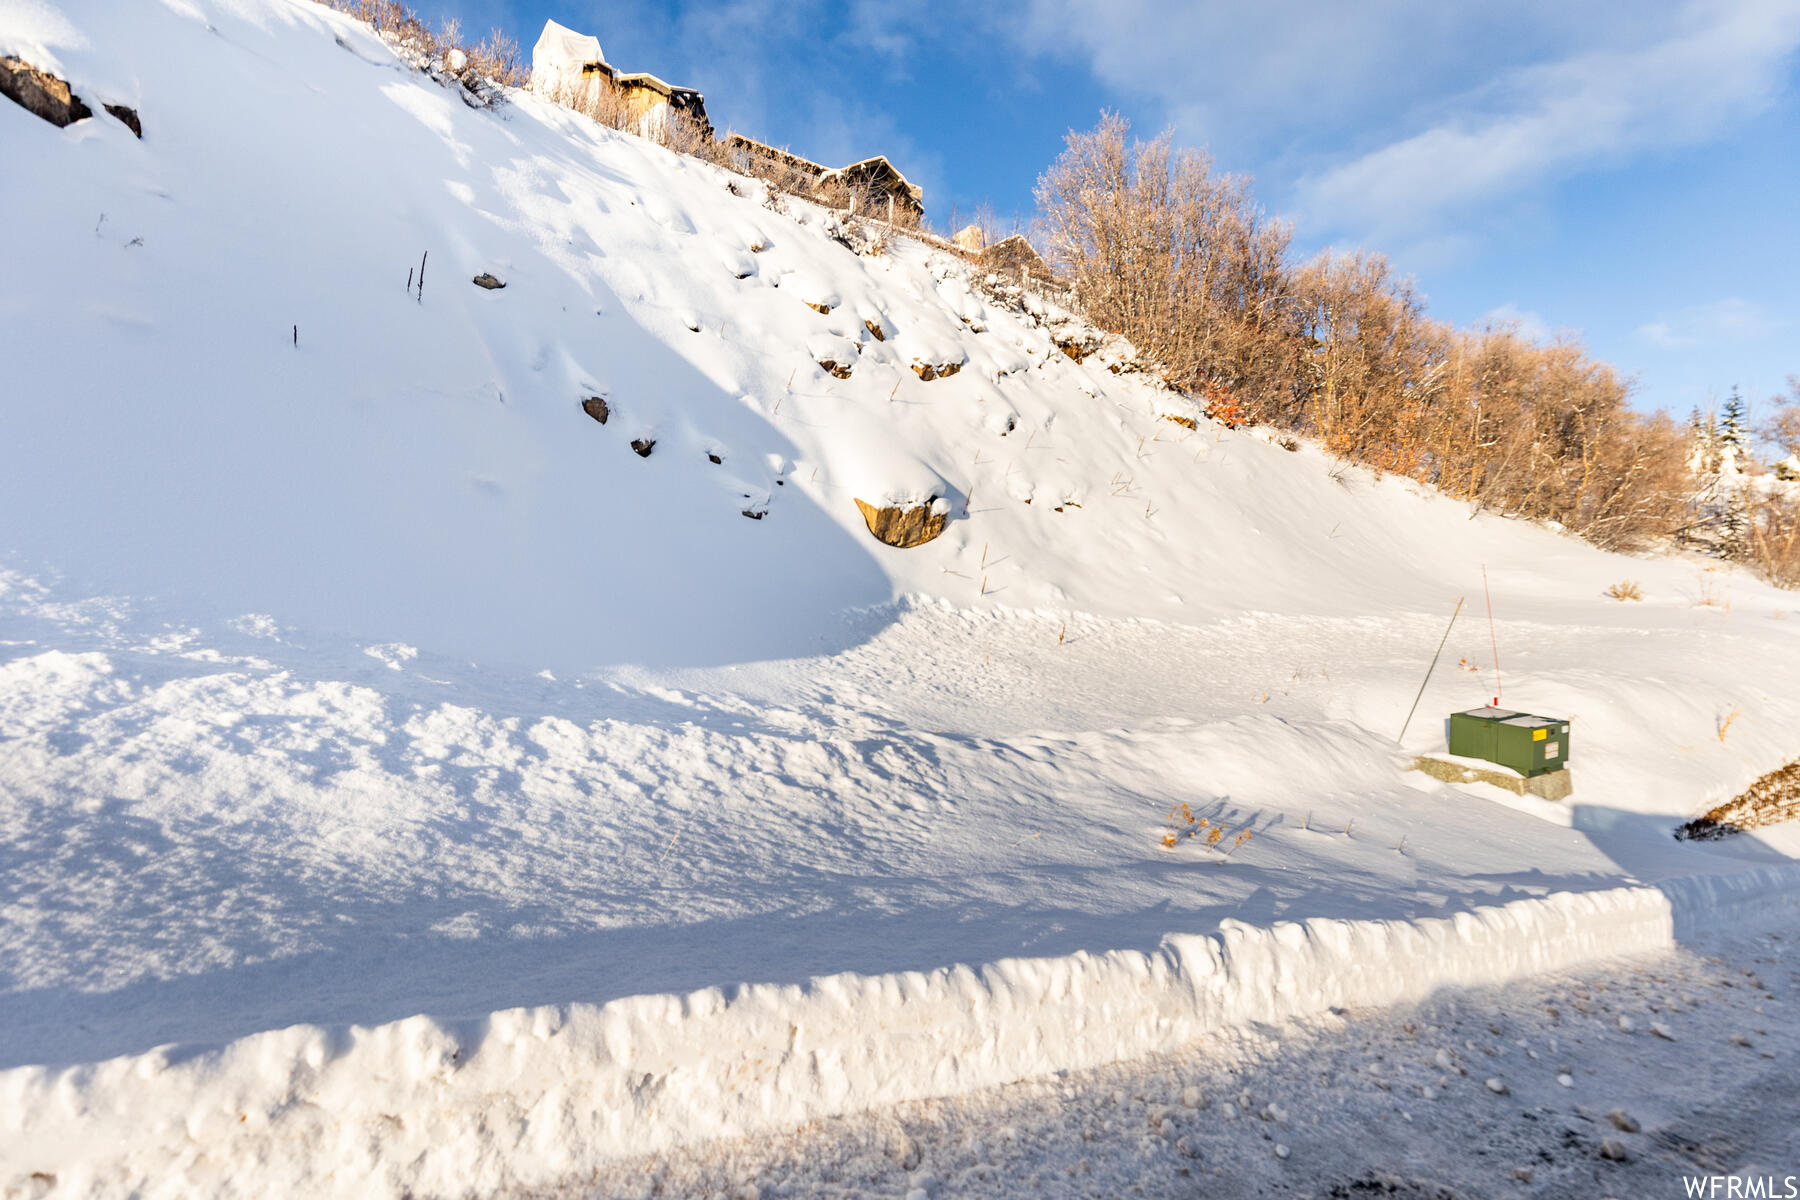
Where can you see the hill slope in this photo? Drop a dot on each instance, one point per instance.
(419, 468)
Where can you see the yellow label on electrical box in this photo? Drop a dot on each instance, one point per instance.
(1538, 735)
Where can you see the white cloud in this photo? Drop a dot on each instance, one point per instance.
(1395, 121)
(1529, 324)
(1723, 322)
(1723, 62)
(1232, 73)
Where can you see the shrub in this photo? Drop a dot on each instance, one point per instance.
(1626, 589)
(1774, 539)
(1181, 261)
(497, 58)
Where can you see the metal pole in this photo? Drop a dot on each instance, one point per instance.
(1493, 638)
(1429, 670)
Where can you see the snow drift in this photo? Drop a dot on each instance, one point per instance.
(532, 1096)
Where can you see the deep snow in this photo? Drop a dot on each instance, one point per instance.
(369, 677)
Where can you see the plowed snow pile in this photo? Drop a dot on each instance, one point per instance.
(401, 772)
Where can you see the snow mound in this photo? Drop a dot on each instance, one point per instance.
(533, 1096)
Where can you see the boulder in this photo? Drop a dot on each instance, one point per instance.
(930, 371)
(904, 528)
(643, 446)
(484, 280)
(595, 407)
(41, 93)
(128, 117)
(832, 367)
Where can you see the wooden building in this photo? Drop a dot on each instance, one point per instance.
(569, 68)
(873, 187)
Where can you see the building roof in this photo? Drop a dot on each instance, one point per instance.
(1013, 253)
(738, 141)
(644, 79)
(880, 168)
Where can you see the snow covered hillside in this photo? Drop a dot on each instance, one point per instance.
(389, 747)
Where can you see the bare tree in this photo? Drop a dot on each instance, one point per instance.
(1782, 427)
(1158, 247)
(1182, 261)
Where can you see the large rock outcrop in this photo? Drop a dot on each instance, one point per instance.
(905, 528)
(41, 93)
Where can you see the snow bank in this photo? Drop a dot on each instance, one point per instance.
(531, 1095)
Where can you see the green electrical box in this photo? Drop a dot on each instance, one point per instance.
(1529, 745)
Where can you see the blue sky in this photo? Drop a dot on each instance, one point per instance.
(1629, 171)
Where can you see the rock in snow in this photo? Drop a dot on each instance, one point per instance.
(41, 93)
(128, 117)
(908, 526)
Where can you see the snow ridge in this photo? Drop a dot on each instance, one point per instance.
(531, 1095)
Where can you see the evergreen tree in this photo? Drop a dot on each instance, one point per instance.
(1734, 518)
(1703, 459)
(1734, 527)
(1731, 428)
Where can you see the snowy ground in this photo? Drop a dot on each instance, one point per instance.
(210, 836)
(377, 728)
(1391, 1102)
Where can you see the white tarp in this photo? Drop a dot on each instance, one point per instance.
(560, 52)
